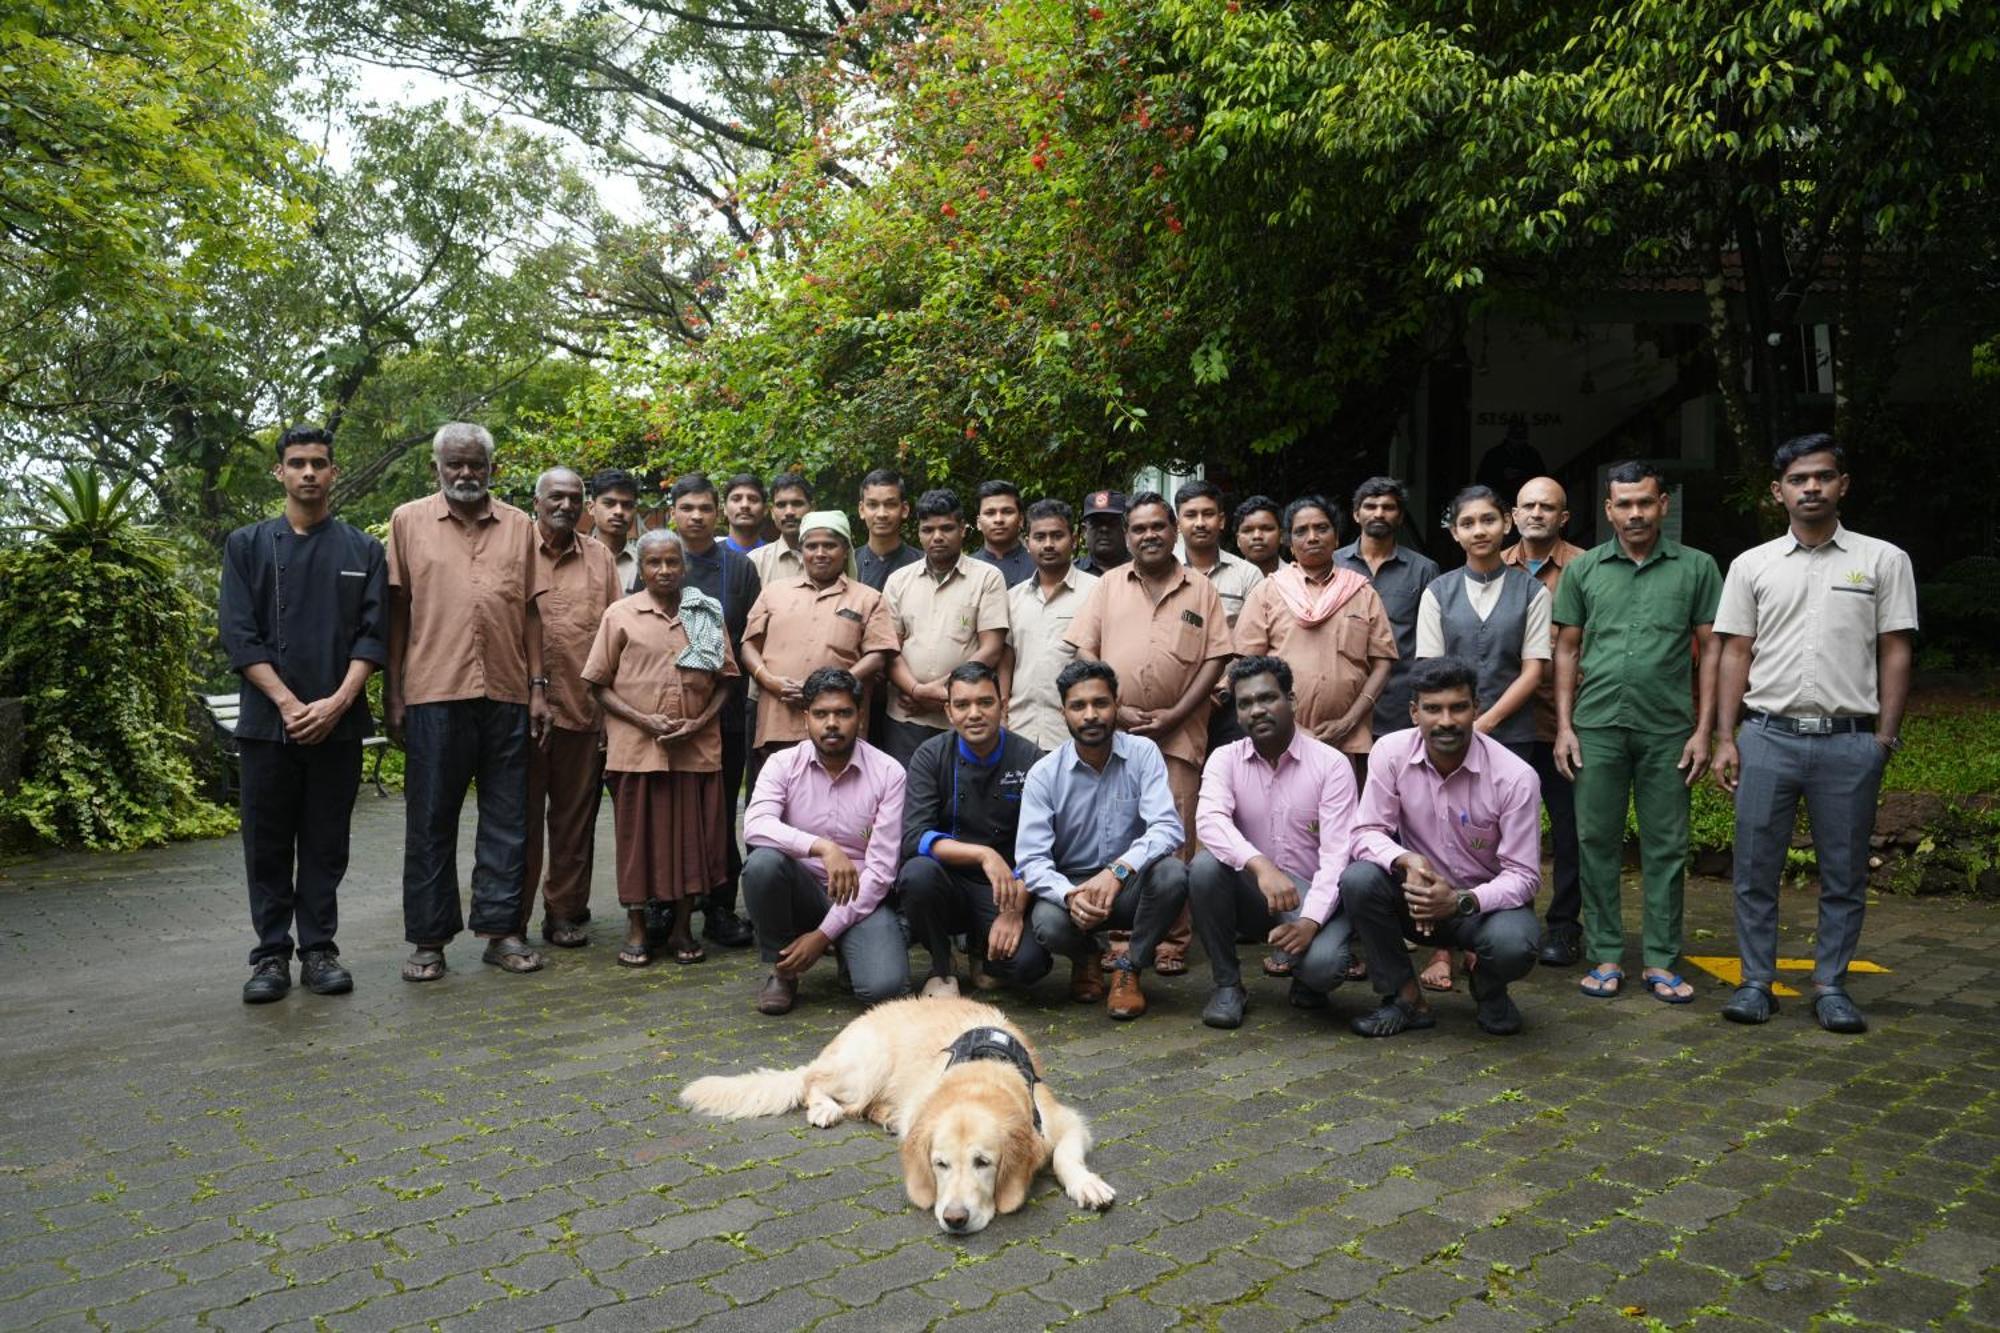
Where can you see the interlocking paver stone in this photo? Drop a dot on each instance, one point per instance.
(492, 1152)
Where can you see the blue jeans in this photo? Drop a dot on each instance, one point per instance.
(447, 746)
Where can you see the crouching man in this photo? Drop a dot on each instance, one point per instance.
(1447, 853)
(1275, 817)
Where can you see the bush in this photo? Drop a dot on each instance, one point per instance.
(98, 641)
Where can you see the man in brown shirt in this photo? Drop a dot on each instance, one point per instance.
(825, 618)
(1541, 511)
(1164, 630)
(465, 697)
(565, 773)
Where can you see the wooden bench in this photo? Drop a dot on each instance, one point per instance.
(224, 709)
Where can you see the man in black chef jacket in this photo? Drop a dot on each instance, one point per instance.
(304, 620)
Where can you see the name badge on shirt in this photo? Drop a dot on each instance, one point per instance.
(1193, 618)
(849, 613)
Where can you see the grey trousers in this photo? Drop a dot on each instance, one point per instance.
(1505, 942)
(1838, 778)
(1146, 905)
(784, 902)
(1225, 901)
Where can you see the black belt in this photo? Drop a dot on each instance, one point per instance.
(1812, 726)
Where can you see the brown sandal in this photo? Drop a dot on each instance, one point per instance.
(511, 954)
(1277, 964)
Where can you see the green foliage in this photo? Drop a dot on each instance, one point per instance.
(81, 517)
(1952, 753)
(98, 640)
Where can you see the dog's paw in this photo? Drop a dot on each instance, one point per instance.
(1093, 1191)
(823, 1111)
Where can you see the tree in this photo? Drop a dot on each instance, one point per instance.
(137, 155)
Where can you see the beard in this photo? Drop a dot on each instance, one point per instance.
(465, 492)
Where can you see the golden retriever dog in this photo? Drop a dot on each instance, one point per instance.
(957, 1083)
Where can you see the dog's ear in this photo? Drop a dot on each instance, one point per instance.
(918, 1181)
(1020, 1157)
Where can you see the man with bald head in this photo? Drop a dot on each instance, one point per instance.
(1541, 511)
(566, 772)
(466, 697)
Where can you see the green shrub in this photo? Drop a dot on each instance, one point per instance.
(99, 637)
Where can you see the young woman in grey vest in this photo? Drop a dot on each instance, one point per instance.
(1495, 616)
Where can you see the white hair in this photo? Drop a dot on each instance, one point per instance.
(461, 432)
(553, 474)
(652, 537)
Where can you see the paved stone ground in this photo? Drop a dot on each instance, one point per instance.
(496, 1152)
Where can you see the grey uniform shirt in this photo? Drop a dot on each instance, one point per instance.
(1816, 613)
(1400, 583)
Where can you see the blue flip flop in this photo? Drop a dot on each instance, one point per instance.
(1662, 989)
(1602, 973)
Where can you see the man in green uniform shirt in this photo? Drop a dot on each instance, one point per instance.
(1631, 724)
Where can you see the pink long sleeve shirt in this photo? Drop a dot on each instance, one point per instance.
(1299, 812)
(797, 802)
(1480, 827)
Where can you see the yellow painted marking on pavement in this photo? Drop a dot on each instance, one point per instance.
(1731, 970)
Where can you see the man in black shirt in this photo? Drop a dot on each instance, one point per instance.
(730, 579)
(961, 805)
(305, 620)
(885, 508)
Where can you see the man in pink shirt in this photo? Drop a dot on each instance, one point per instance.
(1447, 852)
(1275, 818)
(822, 831)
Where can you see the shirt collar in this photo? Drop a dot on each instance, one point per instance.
(1130, 569)
(444, 509)
(643, 600)
(1120, 747)
(992, 761)
(1839, 540)
(1296, 751)
(1664, 549)
(574, 548)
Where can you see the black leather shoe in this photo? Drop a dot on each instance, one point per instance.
(1836, 1013)
(272, 980)
(1561, 946)
(1303, 996)
(1750, 1004)
(1498, 1015)
(724, 927)
(321, 973)
(1225, 1007)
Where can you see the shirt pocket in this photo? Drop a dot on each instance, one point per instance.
(352, 587)
(1121, 818)
(843, 636)
(1481, 842)
(1187, 641)
(1350, 635)
(1849, 608)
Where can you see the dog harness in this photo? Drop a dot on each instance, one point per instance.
(996, 1044)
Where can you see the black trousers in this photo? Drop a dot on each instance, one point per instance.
(735, 757)
(447, 746)
(900, 740)
(298, 801)
(1559, 799)
(1505, 942)
(940, 901)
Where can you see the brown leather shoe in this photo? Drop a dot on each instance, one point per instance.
(1126, 999)
(1086, 980)
(777, 995)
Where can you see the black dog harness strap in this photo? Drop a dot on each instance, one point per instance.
(997, 1044)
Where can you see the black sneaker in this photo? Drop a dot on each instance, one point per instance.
(271, 980)
(321, 973)
(722, 926)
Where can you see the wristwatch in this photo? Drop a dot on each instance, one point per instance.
(538, 681)
(1468, 905)
(1120, 871)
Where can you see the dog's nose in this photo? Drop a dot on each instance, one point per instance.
(956, 1218)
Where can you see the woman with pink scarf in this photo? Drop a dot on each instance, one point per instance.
(1329, 626)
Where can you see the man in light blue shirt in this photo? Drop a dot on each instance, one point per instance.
(1097, 841)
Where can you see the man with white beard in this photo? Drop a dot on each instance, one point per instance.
(465, 695)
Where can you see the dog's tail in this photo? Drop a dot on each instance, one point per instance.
(740, 1096)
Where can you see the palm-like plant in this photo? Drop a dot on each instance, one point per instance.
(83, 512)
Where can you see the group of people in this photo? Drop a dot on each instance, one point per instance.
(1091, 738)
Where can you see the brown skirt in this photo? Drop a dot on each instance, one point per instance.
(670, 835)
